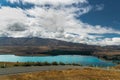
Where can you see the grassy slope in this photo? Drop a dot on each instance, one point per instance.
(71, 74)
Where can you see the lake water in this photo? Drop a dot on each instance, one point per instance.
(78, 59)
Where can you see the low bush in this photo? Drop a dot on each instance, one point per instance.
(55, 63)
(27, 64)
(61, 63)
(2, 66)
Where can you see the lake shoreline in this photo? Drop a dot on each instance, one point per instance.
(58, 60)
(101, 55)
(59, 50)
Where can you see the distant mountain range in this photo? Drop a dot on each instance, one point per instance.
(28, 46)
(9, 41)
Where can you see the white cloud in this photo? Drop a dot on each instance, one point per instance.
(111, 41)
(53, 22)
(10, 15)
(52, 2)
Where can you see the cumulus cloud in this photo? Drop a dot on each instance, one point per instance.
(14, 1)
(52, 2)
(17, 27)
(111, 41)
(10, 15)
(57, 22)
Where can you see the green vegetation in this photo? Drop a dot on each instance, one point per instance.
(25, 64)
(55, 63)
(61, 63)
(3, 65)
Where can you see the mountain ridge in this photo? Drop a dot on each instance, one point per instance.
(34, 41)
(40, 46)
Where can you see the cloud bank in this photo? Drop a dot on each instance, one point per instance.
(54, 19)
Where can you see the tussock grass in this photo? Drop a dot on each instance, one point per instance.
(116, 67)
(70, 74)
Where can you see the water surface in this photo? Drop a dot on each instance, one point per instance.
(78, 59)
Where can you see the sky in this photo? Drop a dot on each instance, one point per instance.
(94, 22)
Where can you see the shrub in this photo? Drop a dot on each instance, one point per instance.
(27, 64)
(54, 63)
(16, 65)
(75, 64)
(61, 63)
(2, 66)
(38, 64)
(46, 63)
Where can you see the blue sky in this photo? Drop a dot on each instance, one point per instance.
(109, 16)
(82, 21)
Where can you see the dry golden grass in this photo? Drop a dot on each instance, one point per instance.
(71, 74)
(116, 67)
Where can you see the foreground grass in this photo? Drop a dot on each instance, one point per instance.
(71, 74)
(116, 67)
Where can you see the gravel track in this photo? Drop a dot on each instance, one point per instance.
(17, 70)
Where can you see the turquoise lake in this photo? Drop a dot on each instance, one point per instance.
(78, 59)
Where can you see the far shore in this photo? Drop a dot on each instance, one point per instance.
(59, 50)
(113, 55)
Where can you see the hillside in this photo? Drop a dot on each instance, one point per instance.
(40, 46)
